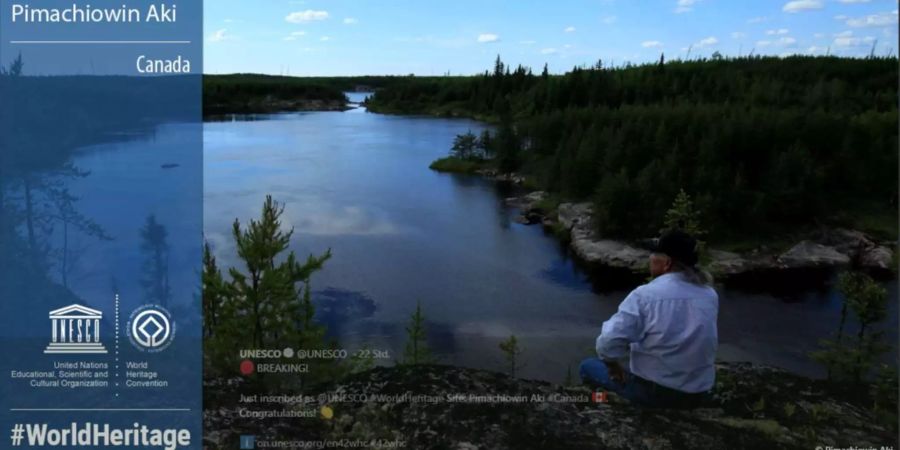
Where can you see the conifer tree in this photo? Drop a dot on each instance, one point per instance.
(261, 305)
(511, 351)
(417, 351)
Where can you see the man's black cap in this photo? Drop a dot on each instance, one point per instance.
(678, 245)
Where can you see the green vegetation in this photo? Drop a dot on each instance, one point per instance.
(763, 145)
(417, 351)
(511, 351)
(685, 217)
(456, 165)
(262, 306)
(248, 94)
(850, 360)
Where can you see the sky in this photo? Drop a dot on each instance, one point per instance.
(463, 37)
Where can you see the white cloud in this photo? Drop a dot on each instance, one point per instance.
(488, 37)
(325, 38)
(651, 44)
(777, 32)
(816, 50)
(757, 20)
(351, 21)
(707, 42)
(683, 6)
(738, 35)
(854, 1)
(219, 36)
(787, 41)
(847, 39)
(306, 16)
(298, 33)
(884, 19)
(846, 42)
(609, 20)
(569, 29)
(802, 5)
(819, 35)
(548, 51)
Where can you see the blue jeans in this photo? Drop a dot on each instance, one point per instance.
(595, 374)
(636, 390)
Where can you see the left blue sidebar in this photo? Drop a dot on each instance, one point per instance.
(101, 165)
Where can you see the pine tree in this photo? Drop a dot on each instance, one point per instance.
(464, 146)
(214, 292)
(511, 351)
(683, 216)
(417, 351)
(867, 300)
(155, 246)
(267, 289)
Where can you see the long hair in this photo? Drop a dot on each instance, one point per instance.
(693, 274)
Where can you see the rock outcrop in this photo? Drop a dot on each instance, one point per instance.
(576, 217)
(833, 249)
(441, 407)
(807, 254)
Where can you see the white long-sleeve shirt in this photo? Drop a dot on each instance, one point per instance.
(669, 326)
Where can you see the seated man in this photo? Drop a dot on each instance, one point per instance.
(667, 327)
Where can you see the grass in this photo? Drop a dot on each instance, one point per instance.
(456, 165)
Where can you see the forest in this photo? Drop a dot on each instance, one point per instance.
(251, 93)
(764, 145)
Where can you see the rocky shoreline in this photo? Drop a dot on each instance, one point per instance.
(443, 407)
(829, 249)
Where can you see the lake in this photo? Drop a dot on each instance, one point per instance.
(359, 184)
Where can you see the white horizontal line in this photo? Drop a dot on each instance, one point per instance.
(100, 409)
(98, 42)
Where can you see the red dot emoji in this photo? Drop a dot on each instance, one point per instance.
(247, 367)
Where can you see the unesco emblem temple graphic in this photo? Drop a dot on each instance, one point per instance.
(76, 330)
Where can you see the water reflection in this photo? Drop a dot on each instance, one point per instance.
(358, 183)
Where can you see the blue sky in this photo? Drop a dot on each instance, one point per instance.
(356, 37)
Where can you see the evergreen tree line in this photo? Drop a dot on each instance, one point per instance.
(759, 143)
(247, 93)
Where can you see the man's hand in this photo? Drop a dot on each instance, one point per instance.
(616, 372)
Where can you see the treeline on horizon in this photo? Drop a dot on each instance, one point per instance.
(762, 144)
(255, 93)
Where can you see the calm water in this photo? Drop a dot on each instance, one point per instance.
(358, 183)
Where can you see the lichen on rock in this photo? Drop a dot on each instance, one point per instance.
(443, 407)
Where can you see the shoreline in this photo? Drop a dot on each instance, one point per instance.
(809, 260)
(273, 106)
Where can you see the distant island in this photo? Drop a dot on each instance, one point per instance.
(260, 94)
(264, 94)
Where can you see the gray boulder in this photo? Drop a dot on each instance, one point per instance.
(610, 253)
(808, 254)
(724, 263)
(879, 257)
(573, 215)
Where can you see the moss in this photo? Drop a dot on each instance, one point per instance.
(768, 427)
(456, 165)
(548, 205)
(561, 232)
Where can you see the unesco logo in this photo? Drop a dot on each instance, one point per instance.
(151, 328)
